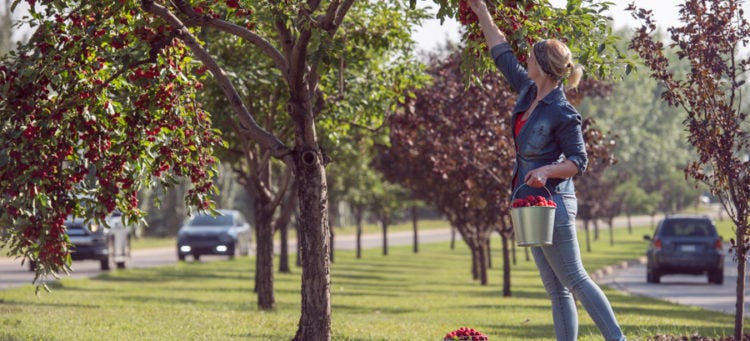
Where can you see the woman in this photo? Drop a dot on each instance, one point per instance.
(549, 152)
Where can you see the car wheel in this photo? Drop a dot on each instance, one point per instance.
(716, 276)
(653, 276)
(126, 254)
(108, 262)
(181, 257)
(196, 256)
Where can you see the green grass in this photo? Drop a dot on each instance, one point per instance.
(402, 296)
(153, 242)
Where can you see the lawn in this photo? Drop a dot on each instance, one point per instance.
(402, 296)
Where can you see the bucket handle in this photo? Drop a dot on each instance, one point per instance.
(524, 184)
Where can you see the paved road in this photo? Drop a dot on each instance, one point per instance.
(13, 274)
(682, 289)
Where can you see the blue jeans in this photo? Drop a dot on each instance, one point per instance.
(563, 275)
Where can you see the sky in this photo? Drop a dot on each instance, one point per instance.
(432, 34)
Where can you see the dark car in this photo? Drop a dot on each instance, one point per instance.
(94, 241)
(684, 244)
(225, 234)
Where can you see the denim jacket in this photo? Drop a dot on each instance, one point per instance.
(551, 135)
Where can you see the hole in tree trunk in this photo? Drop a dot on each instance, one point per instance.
(308, 157)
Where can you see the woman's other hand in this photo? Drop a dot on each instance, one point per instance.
(537, 177)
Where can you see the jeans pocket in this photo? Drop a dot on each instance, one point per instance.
(569, 204)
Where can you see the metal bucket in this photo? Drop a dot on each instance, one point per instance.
(533, 225)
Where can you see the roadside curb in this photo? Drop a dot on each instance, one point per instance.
(609, 269)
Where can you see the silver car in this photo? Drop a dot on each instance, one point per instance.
(227, 234)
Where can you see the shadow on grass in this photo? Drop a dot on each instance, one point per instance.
(167, 274)
(354, 277)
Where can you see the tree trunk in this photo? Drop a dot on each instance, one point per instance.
(264, 230)
(489, 253)
(298, 228)
(596, 228)
(284, 249)
(453, 237)
(384, 224)
(506, 266)
(513, 250)
(264, 257)
(474, 261)
(739, 308)
(610, 224)
(414, 220)
(482, 261)
(315, 319)
(359, 212)
(588, 236)
(282, 225)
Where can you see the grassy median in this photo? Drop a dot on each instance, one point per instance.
(402, 296)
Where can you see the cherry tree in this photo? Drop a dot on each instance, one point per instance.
(102, 102)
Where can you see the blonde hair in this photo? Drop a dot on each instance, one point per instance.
(561, 64)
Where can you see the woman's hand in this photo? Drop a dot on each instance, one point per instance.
(490, 30)
(537, 177)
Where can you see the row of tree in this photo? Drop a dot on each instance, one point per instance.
(114, 101)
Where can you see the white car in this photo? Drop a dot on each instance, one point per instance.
(110, 246)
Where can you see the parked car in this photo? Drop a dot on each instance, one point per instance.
(225, 234)
(685, 244)
(93, 241)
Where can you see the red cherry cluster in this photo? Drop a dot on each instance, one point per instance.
(465, 333)
(465, 15)
(531, 200)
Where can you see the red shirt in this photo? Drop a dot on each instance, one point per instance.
(518, 124)
(516, 129)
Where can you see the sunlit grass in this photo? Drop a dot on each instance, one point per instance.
(402, 296)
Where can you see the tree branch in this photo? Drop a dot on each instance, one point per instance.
(195, 19)
(247, 124)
